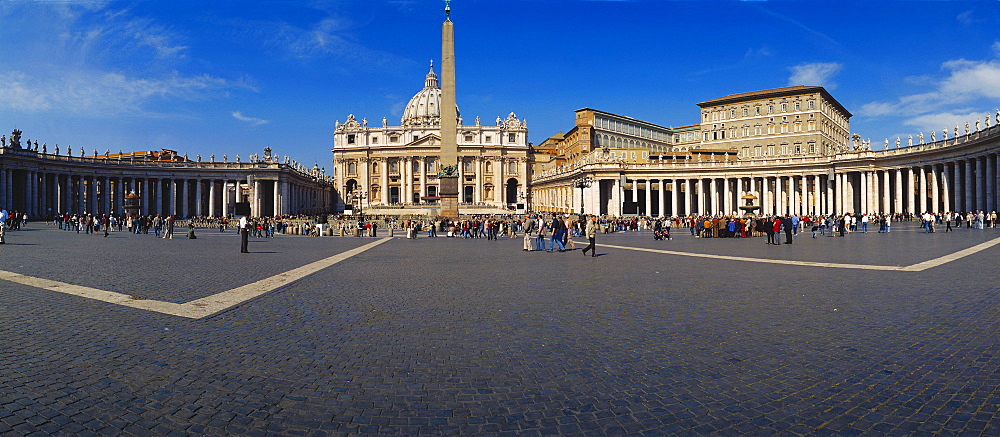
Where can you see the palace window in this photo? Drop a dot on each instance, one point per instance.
(757, 110)
(784, 107)
(732, 113)
(770, 109)
(798, 106)
(798, 148)
(746, 112)
(812, 104)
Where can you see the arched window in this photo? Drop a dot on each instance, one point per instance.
(489, 167)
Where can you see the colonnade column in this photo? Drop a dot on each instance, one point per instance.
(647, 208)
(660, 197)
(946, 188)
(675, 188)
(968, 188)
(727, 198)
(225, 197)
(989, 203)
(980, 204)
(935, 178)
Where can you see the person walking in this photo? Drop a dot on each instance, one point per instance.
(244, 227)
(591, 232)
(530, 227)
(3, 225)
(558, 230)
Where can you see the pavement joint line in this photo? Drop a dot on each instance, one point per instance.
(198, 308)
(918, 267)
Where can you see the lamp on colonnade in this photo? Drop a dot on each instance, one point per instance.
(582, 183)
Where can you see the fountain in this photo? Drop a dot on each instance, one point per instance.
(749, 209)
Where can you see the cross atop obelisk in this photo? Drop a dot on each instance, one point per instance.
(448, 177)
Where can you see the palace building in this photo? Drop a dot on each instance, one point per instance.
(394, 169)
(789, 147)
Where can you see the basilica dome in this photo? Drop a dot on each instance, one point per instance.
(424, 108)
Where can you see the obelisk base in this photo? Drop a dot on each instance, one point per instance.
(449, 196)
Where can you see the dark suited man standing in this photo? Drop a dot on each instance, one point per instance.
(244, 234)
(788, 229)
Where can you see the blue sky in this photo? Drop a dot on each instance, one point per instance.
(215, 77)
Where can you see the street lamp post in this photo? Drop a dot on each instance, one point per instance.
(359, 198)
(582, 183)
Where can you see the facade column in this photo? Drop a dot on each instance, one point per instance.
(886, 208)
(477, 191)
(422, 162)
(816, 206)
(3, 190)
(865, 191)
(383, 189)
(635, 194)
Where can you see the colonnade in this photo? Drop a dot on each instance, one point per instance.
(967, 183)
(45, 193)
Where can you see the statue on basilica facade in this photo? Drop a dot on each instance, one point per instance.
(57, 149)
(966, 128)
(909, 141)
(897, 142)
(933, 135)
(3, 141)
(921, 136)
(944, 133)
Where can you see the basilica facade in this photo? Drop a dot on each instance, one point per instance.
(396, 167)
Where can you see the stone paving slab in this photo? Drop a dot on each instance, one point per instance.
(173, 270)
(474, 337)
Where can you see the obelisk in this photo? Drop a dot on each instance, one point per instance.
(448, 176)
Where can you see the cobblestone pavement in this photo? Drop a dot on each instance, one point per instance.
(470, 337)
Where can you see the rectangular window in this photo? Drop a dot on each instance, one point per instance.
(468, 138)
(394, 139)
(489, 139)
(757, 110)
(812, 105)
(511, 138)
(351, 138)
(746, 112)
(374, 140)
(784, 107)
(798, 106)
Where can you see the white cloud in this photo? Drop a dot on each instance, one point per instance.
(96, 93)
(966, 82)
(252, 120)
(817, 73)
(943, 120)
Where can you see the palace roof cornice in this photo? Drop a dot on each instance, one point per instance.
(774, 93)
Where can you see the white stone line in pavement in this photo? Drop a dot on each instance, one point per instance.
(921, 266)
(197, 308)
